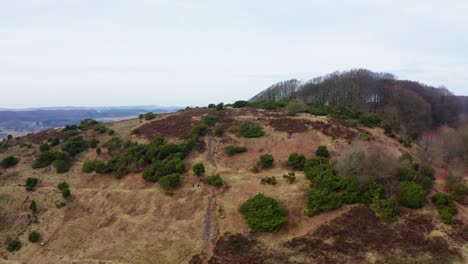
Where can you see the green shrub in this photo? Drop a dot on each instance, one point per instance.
(214, 180)
(65, 189)
(93, 143)
(44, 147)
(88, 122)
(170, 181)
(240, 104)
(149, 116)
(211, 106)
(98, 151)
(269, 180)
(47, 158)
(31, 183)
(198, 168)
(350, 190)
(263, 214)
(53, 141)
(33, 206)
(9, 162)
(111, 132)
(101, 129)
(445, 206)
(61, 166)
(89, 166)
(210, 120)
(113, 145)
(322, 200)
(13, 245)
(412, 195)
(406, 156)
(158, 169)
(74, 145)
(407, 141)
(66, 193)
(290, 177)
(370, 120)
(219, 131)
(199, 130)
(220, 106)
(456, 186)
(34, 236)
(296, 161)
(267, 161)
(251, 130)
(231, 150)
(386, 210)
(322, 151)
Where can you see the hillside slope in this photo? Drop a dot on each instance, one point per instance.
(130, 220)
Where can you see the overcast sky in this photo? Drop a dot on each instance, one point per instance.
(174, 52)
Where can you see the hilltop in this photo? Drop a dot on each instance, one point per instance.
(352, 190)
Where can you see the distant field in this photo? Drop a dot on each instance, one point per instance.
(21, 122)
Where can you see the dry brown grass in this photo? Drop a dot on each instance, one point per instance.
(132, 221)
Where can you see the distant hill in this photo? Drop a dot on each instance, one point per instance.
(23, 121)
(414, 105)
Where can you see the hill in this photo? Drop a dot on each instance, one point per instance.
(413, 105)
(125, 192)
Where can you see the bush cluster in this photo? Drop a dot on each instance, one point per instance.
(370, 120)
(457, 188)
(74, 145)
(198, 168)
(269, 180)
(34, 236)
(170, 181)
(263, 214)
(9, 162)
(322, 151)
(13, 245)
(58, 159)
(290, 177)
(445, 206)
(266, 161)
(149, 116)
(231, 150)
(93, 143)
(44, 147)
(53, 141)
(210, 120)
(31, 183)
(251, 130)
(214, 180)
(33, 206)
(65, 189)
(412, 195)
(219, 131)
(296, 161)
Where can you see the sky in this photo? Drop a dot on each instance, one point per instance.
(180, 53)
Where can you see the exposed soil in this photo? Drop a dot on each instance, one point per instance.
(288, 125)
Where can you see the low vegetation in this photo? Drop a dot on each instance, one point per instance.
(65, 189)
(74, 145)
(170, 182)
(412, 195)
(296, 161)
(251, 130)
(445, 206)
(14, 245)
(269, 180)
(232, 150)
(266, 161)
(34, 236)
(263, 214)
(290, 177)
(31, 183)
(198, 168)
(214, 180)
(9, 162)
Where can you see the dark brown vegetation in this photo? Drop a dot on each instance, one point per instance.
(335, 130)
(289, 125)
